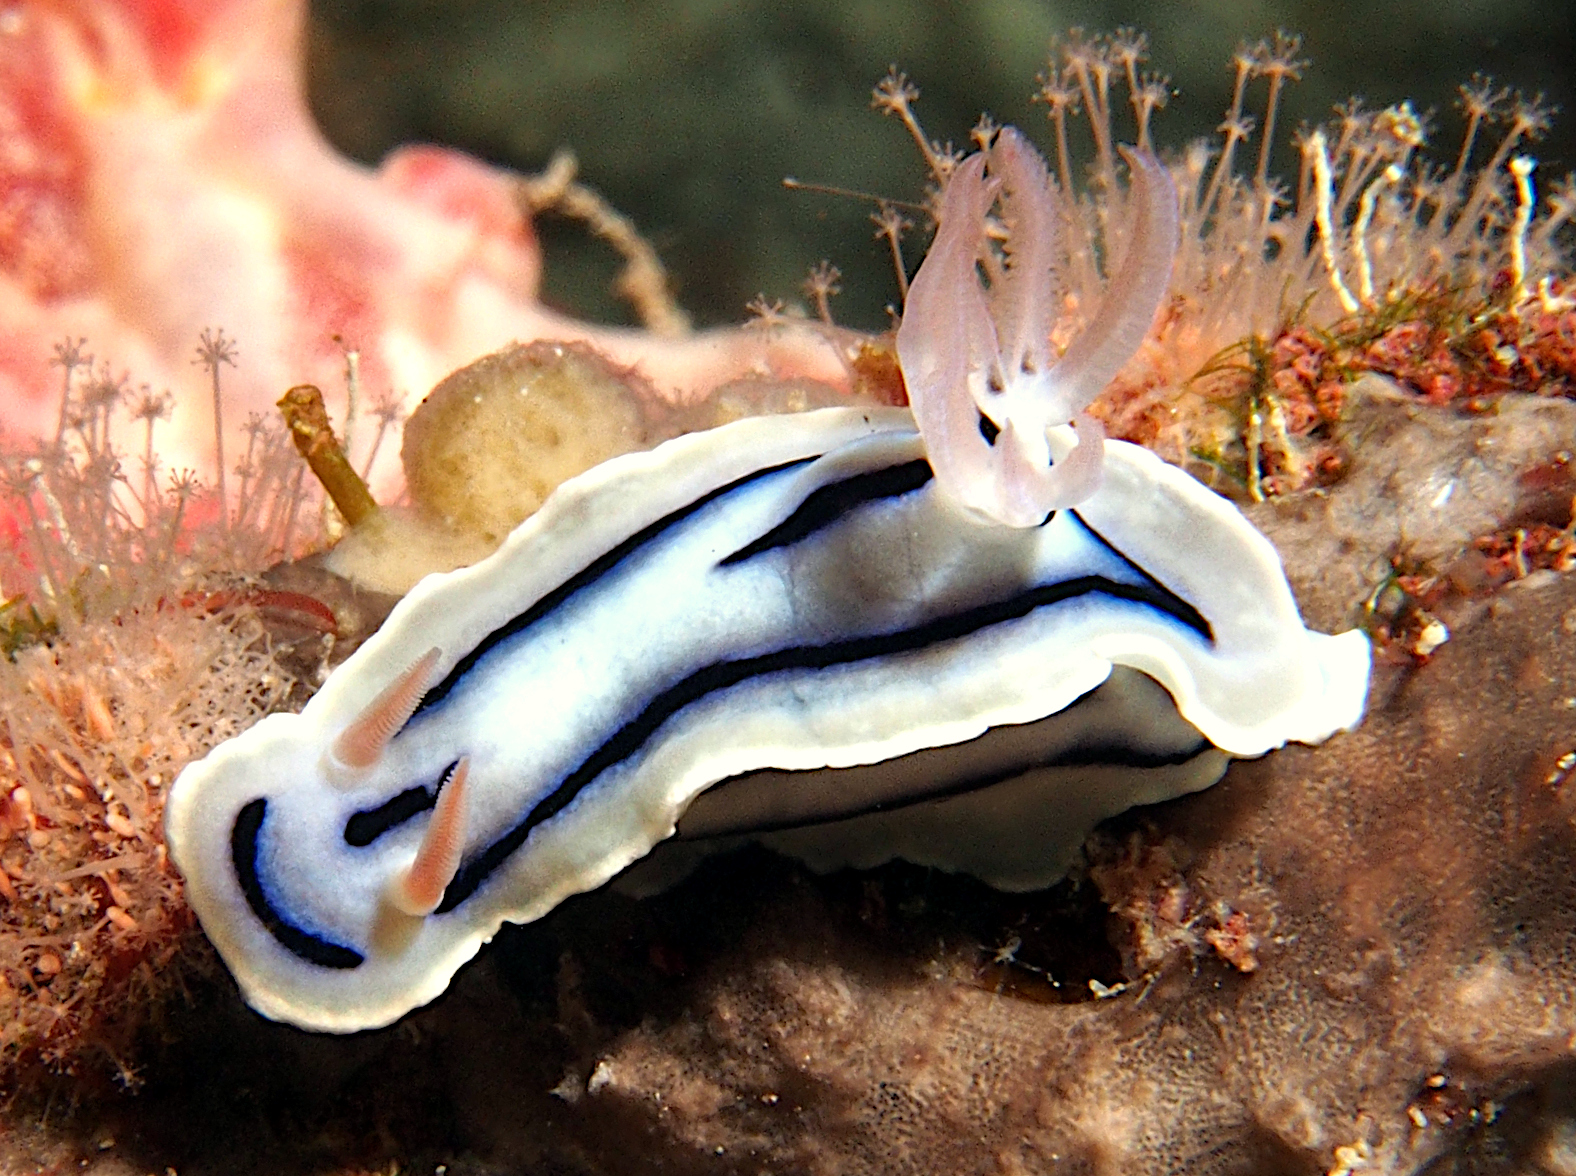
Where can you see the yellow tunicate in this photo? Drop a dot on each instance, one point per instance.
(491, 441)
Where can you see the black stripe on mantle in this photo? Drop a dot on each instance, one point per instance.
(244, 836)
(827, 504)
(584, 578)
(719, 676)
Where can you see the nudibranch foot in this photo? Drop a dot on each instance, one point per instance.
(1011, 807)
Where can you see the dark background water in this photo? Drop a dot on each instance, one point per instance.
(687, 114)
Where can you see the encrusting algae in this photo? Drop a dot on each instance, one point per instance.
(139, 632)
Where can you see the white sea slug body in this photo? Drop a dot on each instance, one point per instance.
(854, 637)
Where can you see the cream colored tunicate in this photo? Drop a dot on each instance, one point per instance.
(493, 440)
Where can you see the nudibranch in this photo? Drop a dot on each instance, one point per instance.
(960, 635)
